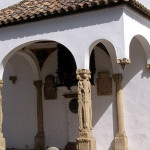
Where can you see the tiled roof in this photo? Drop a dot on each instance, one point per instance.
(30, 10)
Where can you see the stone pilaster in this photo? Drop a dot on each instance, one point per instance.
(40, 137)
(85, 141)
(121, 141)
(2, 139)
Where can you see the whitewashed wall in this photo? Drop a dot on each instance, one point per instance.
(104, 112)
(7, 3)
(72, 31)
(55, 111)
(136, 99)
(19, 105)
(60, 125)
(78, 33)
(145, 3)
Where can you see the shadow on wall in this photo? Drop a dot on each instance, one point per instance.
(104, 119)
(59, 24)
(104, 107)
(138, 63)
(136, 98)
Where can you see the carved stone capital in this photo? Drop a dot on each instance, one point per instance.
(38, 84)
(117, 78)
(148, 66)
(1, 84)
(123, 62)
(83, 74)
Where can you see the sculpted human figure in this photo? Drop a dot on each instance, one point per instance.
(84, 100)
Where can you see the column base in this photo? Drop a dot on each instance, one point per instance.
(39, 141)
(121, 143)
(2, 142)
(86, 141)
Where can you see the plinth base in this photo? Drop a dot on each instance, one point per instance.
(2, 144)
(39, 141)
(86, 141)
(121, 143)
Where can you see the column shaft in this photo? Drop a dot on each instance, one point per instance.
(121, 142)
(2, 139)
(40, 137)
(86, 141)
(120, 110)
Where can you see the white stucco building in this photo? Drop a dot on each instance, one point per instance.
(43, 43)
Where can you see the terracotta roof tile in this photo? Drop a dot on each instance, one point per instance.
(30, 10)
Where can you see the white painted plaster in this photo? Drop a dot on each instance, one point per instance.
(55, 111)
(104, 120)
(33, 65)
(76, 32)
(104, 107)
(7, 3)
(146, 3)
(136, 25)
(136, 99)
(19, 105)
(60, 125)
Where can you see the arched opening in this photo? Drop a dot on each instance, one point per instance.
(145, 45)
(136, 90)
(103, 94)
(140, 57)
(54, 65)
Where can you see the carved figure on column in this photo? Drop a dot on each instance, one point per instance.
(86, 141)
(84, 99)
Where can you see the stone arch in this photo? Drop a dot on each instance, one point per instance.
(52, 54)
(145, 44)
(34, 66)
(21, 95)
(47, 60)
(9, 54)
(111, 50)
(11, 68)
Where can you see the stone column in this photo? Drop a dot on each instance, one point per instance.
(85, 141)
(121, 141)
(2, 139)
(40, 137)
